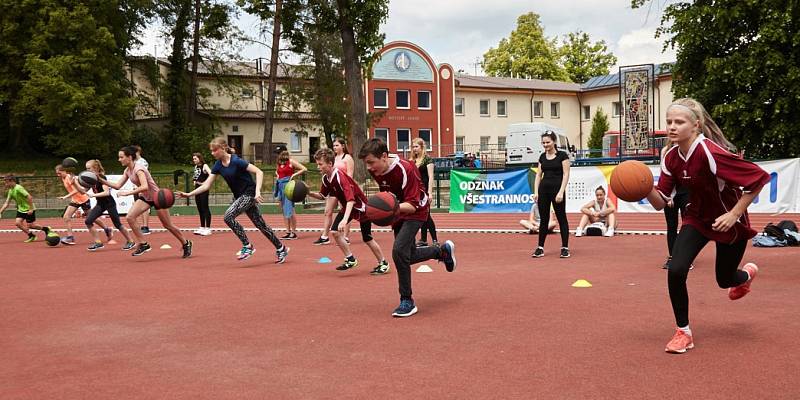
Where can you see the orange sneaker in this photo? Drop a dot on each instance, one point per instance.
(680, 343)
(742, 290)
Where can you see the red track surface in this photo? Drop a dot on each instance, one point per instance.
(107, 325)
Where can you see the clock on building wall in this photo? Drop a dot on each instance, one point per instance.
(402, 61)
(445, 74)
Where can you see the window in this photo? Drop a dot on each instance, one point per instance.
(403, 139)
(459, 143)
(425, 134)
(485, 143)
(501, 143)
(424, 100)
(382, 133)
(380, 98)
(555, 109)
(295, 142)
(616, 109)
(401, 96)
(537, 109)
(484, 107)
(587, 114)
(235, 128)
(247, 93)
(501, 108)
(459, 106)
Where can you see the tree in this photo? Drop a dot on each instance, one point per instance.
(62, 81)
(527, 53)
(583, 59)
(599, 129)
(741, 60)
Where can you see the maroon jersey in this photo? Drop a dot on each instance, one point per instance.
(716, 179)
(345, 189)
(403, 179)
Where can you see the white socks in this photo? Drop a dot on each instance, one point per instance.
(686, 330)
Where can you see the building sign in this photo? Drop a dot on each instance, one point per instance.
(401, 64)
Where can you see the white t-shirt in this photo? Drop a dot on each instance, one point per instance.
(141, 161)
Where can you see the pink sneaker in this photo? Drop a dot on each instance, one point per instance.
(679, 343)
(740, 291)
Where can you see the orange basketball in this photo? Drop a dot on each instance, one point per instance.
(631, 181)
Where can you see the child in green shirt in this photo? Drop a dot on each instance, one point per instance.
(26, 211)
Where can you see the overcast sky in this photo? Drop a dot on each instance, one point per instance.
(459, 31)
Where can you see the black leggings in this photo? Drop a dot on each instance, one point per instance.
(687, 246)
(671, 216)
(247, 204)
(97, 211)
(202, 209)
(428, 226)
(544, 203)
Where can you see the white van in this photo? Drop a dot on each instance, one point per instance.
(524, 142)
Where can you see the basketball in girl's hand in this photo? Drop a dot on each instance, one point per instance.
(87, 179)
(295, 190)
(164, 199)
(631, 181)
(382, 208)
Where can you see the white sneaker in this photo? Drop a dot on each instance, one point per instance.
(609, 232)
(198, 231)
(206, 232)
(578, 232)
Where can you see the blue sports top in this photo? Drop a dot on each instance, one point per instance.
(236, 175)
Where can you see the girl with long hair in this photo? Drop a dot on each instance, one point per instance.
(105, 203)
(287, 169)
(551, 185)
(419, 156)
(199, 175)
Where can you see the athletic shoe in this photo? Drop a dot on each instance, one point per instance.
(609, 232)
(564, 252)
(205, 232)
(321, 241)
(539, 252)
(95, 246)
(679, 343)
(347, 265)
(742, 290)
(187, 249)
(109, 233)
(145, 230)
(128, 246)
(246, 252)
(70, 240)
(144, 247)
(198, 231)
(578, 232)
(381, 269)
(422, 244)
(281, 255)
(289, 236)
(31, 238)
(405, 309)
(448, 255)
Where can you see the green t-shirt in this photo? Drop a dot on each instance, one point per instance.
(20, 196)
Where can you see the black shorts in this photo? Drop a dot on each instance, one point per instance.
(29, 218)
(366, 226)
(83, 206)
(151, 203)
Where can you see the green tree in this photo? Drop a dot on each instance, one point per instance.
(62, 81)
(742, 61)
(599, 129)
(583, 59)
(527, 53)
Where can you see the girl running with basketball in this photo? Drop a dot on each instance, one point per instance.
(551, 185)
(246, 197)
(77, 200)
(676, 205)
(286, 170)
(105, 202)
(147, 190)
(419, 155)
(343, 161)
(338, 185)
(721, 187)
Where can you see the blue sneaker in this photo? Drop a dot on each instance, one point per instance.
(246, 252)
(405, 309)
(448, 255)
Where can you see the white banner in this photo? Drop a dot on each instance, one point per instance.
(781, 195)
(123, 203)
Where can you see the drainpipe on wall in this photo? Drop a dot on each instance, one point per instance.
(533, 92)
(580, 122)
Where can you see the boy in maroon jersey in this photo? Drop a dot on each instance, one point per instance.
(721, 186)
(338, 184)
(401, 177)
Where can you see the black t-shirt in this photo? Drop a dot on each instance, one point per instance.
(199, 175)
(552, 172)
(423, 171)
(97, 189)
